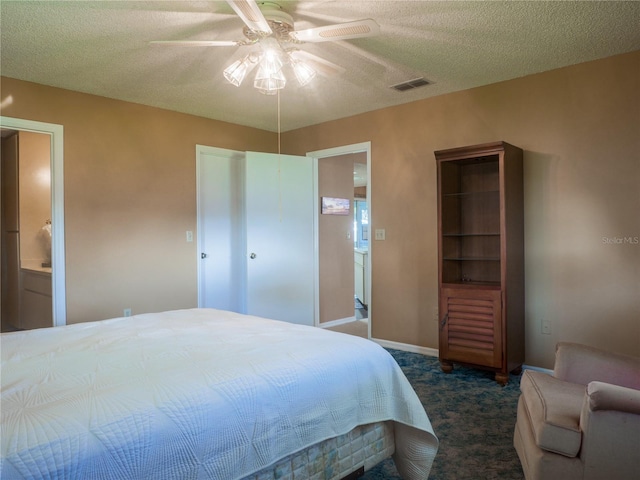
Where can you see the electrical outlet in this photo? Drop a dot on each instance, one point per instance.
(189, 236)
(127, 312)
(435, 314)
(545, 326)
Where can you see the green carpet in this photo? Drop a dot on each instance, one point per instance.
(472, 416)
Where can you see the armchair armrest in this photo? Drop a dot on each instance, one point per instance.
(610, 422)
(604, 396)
(583, 364)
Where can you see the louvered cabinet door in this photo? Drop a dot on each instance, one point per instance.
(471, 326)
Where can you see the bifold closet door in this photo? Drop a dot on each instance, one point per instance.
(221, 232)
(255, 228)
(280, 238)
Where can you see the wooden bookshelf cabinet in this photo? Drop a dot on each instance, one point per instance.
(481, 258)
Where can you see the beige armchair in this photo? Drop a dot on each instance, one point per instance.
(584, 421)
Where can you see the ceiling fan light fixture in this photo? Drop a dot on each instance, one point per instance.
(270, 62)
(270, 78)
(236, 72)
(303, 72)
(269, 27)
(269, 83)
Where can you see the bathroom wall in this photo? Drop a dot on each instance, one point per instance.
(35, 198)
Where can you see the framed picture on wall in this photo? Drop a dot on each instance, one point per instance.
(335, 206)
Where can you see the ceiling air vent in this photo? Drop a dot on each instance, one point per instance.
(411, 84)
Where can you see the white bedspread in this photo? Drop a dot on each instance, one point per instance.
(194, 394)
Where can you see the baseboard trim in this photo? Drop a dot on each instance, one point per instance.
(335, 323)
(537, 369)
(433, 352)
(405, 347)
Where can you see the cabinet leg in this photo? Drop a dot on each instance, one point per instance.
(502, 378)
(517, 370)
(447, 367)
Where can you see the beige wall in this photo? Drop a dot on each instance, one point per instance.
(335, 240)
(130, 197)
(579, 127)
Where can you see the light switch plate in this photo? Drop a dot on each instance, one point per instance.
(380, 233)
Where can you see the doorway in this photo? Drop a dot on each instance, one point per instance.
(55, 134)
(358, 158)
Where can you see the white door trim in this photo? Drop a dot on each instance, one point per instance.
(58, 285)
(332, 152)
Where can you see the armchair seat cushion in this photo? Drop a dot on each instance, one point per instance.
(553, 407)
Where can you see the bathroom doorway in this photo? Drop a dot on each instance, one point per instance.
(343, 256)
(33, 268)
(26, 230)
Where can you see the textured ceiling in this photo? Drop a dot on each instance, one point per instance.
(101, 47)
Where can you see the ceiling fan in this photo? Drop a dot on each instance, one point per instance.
(272, 29)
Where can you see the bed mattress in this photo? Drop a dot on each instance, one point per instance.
(200, 393)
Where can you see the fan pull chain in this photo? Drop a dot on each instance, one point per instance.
(278, 92)
(279, 162)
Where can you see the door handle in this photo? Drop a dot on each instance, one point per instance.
(252, 256)
(203, 255)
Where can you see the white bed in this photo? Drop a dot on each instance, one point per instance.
(195, 394)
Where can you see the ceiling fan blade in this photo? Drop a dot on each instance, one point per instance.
(320, 65)
(196, 43)
(251, 15)
(341, 31)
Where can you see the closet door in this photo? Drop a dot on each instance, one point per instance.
(280, 238)
(221, 267)
(256, 205)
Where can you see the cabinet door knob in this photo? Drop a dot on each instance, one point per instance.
(252, 256)
(203, 255)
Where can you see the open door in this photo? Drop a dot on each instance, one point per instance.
(280, 237)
